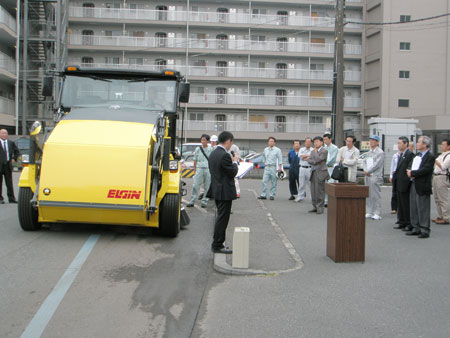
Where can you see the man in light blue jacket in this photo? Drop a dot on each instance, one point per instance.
(373, 172)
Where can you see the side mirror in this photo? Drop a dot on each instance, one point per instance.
(47, 86)
(183, 91)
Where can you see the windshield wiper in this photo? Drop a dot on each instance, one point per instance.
(98, 78)
(143, 80)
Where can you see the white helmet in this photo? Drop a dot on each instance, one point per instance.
(214, 138)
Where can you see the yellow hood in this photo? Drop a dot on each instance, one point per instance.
(96, 162)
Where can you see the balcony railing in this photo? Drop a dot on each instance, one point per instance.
(261, 127)
(269, 100)
(205, 17)
(6, 106)
(211, 44)
(238, 72)
(7, 19)
(7, 63)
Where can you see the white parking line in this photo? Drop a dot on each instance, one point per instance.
(40, 320)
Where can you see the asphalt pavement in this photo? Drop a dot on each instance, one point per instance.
(136, 284)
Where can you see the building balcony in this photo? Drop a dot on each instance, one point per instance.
(260, 127)
(209, 44)
(7, 20)
(7, 106)
(217, 18)
(7, 63)
(270, 100)
(239, 73)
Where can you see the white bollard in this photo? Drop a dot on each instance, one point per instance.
(241, 239)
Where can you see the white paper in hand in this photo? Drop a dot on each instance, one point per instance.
(416, 163)
(244, 168)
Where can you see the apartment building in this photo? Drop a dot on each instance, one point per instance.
(407, 70)
(8, 39)
(256, 68)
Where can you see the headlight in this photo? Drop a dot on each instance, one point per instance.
(25, 158)
(173, 165)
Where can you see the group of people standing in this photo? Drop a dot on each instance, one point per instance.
(414, 178)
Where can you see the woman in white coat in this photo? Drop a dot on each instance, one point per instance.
(349, 155)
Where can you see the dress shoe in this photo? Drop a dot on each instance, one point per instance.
(398, 222)
(226, 251)
(319, 212)
(399, 227)
(291, 198)
(200, 197)
(262, 197)
(423, 236)
(407, 229)
(313, 210)
(441, 221)
(412, 233)
(13, 201)
(272, 198)
(190, 205)
(2, 202)
(204, 205)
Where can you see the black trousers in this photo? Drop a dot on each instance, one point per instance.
(394, 203)
(220, 227)
(5, 171)
(403, 209)
(293, 181)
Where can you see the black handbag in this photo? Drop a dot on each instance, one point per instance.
(340, 173)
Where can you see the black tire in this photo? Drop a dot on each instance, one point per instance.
(28, 216)
(169, 215)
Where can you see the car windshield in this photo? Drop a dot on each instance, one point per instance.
(93, 92)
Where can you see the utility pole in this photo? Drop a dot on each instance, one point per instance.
(337, 114)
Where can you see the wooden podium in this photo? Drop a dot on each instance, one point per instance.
(346, 231)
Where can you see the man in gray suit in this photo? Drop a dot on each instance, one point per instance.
(373, 172)
(319, 174)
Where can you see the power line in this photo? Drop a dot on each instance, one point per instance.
(398, 22)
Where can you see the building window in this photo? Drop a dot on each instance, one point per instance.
(196, 117)
(221, 68)
(257, 91)
(280, 124)
(88, 37)
(222, 42)
(282, 17)
(405, 45)
(160, 64)
(220, 122)
(112, 60)
(256, 12)
(162, 12)
(87, 61)
(281, 70)
(161, 39)
(405, 18)
(315, 119)
(222, 14)
(403, 103)
(280, 97)
(221, 95)
(403, 74)
(282, 44)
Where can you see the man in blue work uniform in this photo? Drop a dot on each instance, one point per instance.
(273, 162)
(294, 167)
(201, 169)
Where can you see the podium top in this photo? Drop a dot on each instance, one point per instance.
(346, 190)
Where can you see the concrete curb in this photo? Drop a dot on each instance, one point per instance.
(221, 265)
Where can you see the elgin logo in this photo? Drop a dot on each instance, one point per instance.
(124, 194)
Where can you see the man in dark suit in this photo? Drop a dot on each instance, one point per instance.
(294, 167)
(8, 155)
(319, 174)
(223, 169)
(403, 184)
(421, 173)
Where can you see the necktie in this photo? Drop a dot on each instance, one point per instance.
(5, 150)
